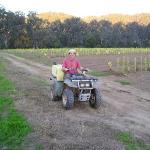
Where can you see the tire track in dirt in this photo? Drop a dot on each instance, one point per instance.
(30, 66)
(127, 107)
(124, 108)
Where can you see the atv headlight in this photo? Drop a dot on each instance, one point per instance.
(82, 85)
(87, 84)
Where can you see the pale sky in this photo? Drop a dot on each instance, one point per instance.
(79, 8)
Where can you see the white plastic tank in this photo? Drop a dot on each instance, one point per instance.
(57, 72)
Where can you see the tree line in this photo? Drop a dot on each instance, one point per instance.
(20, 31)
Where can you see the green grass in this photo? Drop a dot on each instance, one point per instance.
(38, 147)
(132, 143)
(99, 73)
(1, 66)
(13, 128)
(6, 85)
(123, 82)
(40, 81)
(4, 103)
(13, 125)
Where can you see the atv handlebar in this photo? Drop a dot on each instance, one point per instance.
(83, 70)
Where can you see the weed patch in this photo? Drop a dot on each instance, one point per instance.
(132, 143)
(123, 82)
(99, 73)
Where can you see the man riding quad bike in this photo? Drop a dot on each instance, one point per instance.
(72, 85)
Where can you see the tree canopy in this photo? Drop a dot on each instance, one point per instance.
(32, 31)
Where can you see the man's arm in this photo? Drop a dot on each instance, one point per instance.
(79, 70)
(64, 68)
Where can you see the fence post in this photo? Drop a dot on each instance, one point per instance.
(135, 65)
(145, 63)
(141, 63)
(123, 65)
(149, 62)
(118, 61)
(128, 64)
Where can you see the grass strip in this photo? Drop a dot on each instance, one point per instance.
(13, 125)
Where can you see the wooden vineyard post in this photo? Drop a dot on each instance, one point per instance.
(118, 65)
(123, 65)
(141, 63)
(135, 65)
(145, 63)
(149, 63)
(128, 64)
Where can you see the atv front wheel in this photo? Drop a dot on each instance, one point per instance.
(95, 99)
(68, 98)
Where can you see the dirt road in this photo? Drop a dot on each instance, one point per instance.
(124, 108)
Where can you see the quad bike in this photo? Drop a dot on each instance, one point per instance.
(79, 87)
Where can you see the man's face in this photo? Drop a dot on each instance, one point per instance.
(72, 55)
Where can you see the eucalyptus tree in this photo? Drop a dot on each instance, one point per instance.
(74, 32)
(147, 36)
(118, 38)
(92, 34)
(105, 33)
(56, 36)
(4, 32)
(34, 29)
(133, 39)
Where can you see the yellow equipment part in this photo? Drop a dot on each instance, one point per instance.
(57, 72)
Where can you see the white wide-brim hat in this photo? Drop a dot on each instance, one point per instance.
(72, 51)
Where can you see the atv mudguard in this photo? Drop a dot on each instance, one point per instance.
(69, 83)
(58, 86)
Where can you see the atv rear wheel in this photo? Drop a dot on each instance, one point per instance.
(95, 99)
(68, 98)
